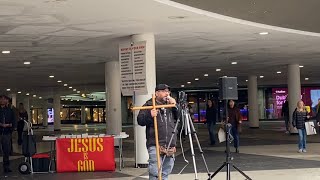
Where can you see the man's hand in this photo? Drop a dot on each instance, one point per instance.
(171, 100)
(154, 112)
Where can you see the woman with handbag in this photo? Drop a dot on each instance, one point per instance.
(299, 117)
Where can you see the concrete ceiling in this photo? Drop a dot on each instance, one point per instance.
(72, 39)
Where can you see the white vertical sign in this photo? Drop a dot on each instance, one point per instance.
(133, 68)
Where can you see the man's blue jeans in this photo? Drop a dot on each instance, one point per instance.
(153, 166)
(302, 138)
(235, 134)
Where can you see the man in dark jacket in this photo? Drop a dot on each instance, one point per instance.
(7, 123)
(285, 114)
(166, 118)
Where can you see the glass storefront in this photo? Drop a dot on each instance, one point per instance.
(72, 114)
(36, 116)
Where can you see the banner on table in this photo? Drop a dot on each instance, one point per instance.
(85, 154)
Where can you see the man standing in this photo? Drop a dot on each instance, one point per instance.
(285, 114)
(166, 119)
(7, 123)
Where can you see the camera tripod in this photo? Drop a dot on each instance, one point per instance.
(229, 158)
(188, 127)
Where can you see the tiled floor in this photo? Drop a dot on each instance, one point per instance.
(265, 153)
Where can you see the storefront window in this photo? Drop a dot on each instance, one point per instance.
(36, 116)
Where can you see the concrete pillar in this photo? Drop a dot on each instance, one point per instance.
(83, 114)
(14, 99)
(253, 102)
(45, 114)
(294, 90)
(141, 153)
(113, 97)
(56, 109)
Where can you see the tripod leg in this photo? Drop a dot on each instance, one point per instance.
(228, 172)
(218, 170)
(199, 146)
(191, 146)
(168, 146)
(248, 178)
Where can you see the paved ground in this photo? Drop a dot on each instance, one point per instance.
(265, 153)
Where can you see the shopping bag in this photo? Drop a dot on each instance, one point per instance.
(310, 128)
(29, 145)
(221, 135)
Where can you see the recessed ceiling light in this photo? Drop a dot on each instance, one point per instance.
(74, 89)
(19, 92)
(182, 85)
(261, 76)
(218, 69)
(34, 95)
(59, 81)
(65, 85)
(306, 79)
(27, 94)
(301, 66)
(196, 79)
(8, 89)
(224, 76)
(263, 33)
(246, 80)
(70, 87)
(40, 97)
(278, 72)
(78, 91)
(51, 76)
(27, 62)
(234, 63)
(177, 17)
(206, 75)
(5, 52)
(189, 82)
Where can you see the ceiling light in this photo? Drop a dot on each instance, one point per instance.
(224, 76)
(70, 87)
(234, 63)
(177, 17)
(182, 85)
(27, 94)
(78, 91)
(40, 97)
(5, 52)
(34, 95)
(74, 89)
(8, 89)
(301, 66)
(306, 79)
(59, 81)
(278, 72)
(196, 79)
(27, 62)
(189, 82)
(206, 75)
(261, 76)
(263, 33)
(19, 92)
(51, 76)
(246, 80)
(83, 95)
(218, 69)
(65, 85)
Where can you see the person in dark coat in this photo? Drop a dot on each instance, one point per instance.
(23, 116)
(7, 124)
(211, 117)
(285, 114)
(235, 119)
